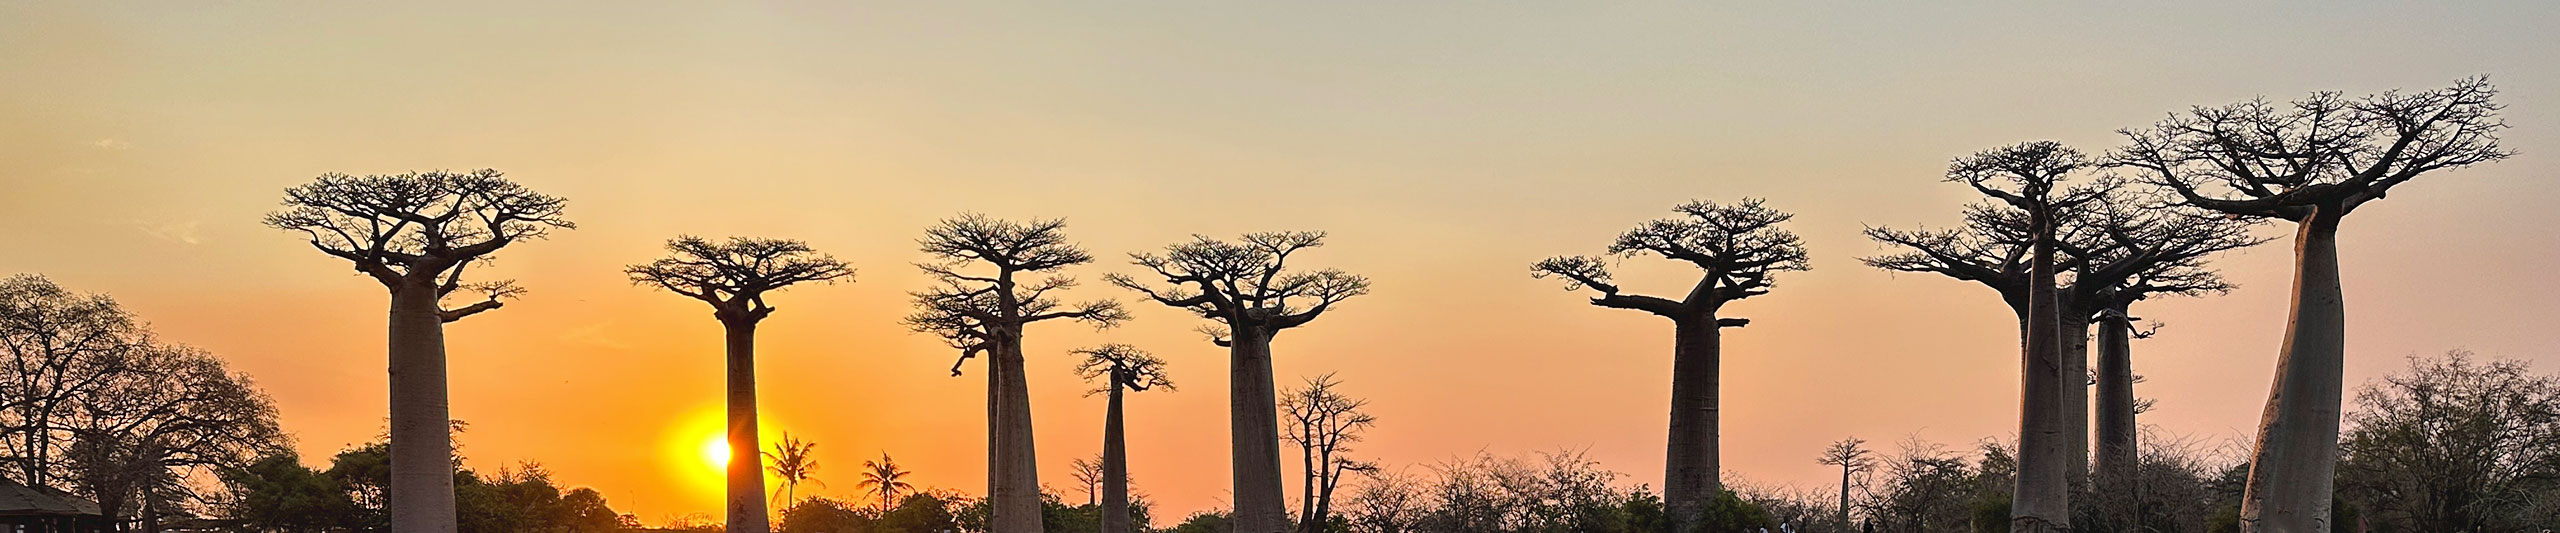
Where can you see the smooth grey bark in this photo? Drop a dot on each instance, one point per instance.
(746, 507)
(2118, 456)
(1691, 463)
(421, 493)
(2295, 465)
(1115, 468)
(2074, 332)
(1260, 505)
(2040, 501)
(1017, 491)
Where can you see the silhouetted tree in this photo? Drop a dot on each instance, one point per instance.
(1852, 457)
(733, 276)
(1247, 288)
(1323, 423)
(2310, 162)
(2456, 444)
(176, 411)
(416, 233)
(794, 463)
(62, 347)
(1124, 369)
(885, 479)
(1739, 247)
(986, 313)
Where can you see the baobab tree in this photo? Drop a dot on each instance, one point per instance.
(734, 276)
(1124, 369)
(416, 233)
(985, 313)
(1323, 423)
(2138, 251)
(1739, 248)
(1247, 289)
(2310, 162)
(1852, 457)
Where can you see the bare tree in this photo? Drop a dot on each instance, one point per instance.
(1323, 423)
(1852, 457)
(416, 233)
(1247, 288)
(985, 313)
(733, 276)
(1124, 369)
(1738, 247)
(2310, 162)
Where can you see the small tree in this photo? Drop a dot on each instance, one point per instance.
(1247, 288)
(985, 313)
(2310, 162)
(1852, 457)
(733, 276)
(1124, 369)
(794, 462)
(1739, 247)
(416, 233)
(884, 478)
(1323, 423)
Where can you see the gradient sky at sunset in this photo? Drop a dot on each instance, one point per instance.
(1445, 145)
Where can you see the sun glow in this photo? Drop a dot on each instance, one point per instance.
(715, 452)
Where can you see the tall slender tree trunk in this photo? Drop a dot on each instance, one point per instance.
(2118, 457)
(2296, 461)
(1844, 497)
(1260, 507)
(1115, 467)
(150, 511)
(746, 457)
(995, 422)
(1017, 491)
(421, 491)
(1690, 462)
(2075, 389)
(2040, 502)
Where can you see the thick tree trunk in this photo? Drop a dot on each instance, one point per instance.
(2296, 461)
(2118, 457)
(746, 457)
(150, 511)
(1017, 491)
(1260, 507)
(1690, 461)
(2075, 390)
(421, 491)
(2040, 502)
(1115, 468)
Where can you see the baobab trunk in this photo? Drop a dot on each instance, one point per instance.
(1256, 433)
(1115, 468)
(2118, 458)
(746, 460)
(1017, 491)
(1690, 463)
(2074, 341)
(2296, 461)
(2040, 502)
(421, 491)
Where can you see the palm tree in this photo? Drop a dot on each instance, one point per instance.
(733, 277)
(415, 233)
(792, 462)
(885, 479)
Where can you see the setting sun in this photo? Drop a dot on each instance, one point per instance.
(715, 452)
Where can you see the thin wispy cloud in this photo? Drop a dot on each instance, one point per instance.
(111, 143)
(178, 232)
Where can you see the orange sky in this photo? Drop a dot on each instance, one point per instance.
(1446, 146)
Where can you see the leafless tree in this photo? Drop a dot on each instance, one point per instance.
(1738, 247)
(733, 276)
(1852, 457)
(1247, 288)
(1323, 423)
(416, 233)
(1124, 369)
(985, 313)
(2310, 162)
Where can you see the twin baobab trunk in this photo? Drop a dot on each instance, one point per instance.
(2291, 472)
(2118, 457)
(1017, 490)
(1115, 468)
(2040, 502)
(421, 491)
(746, 460)
(1259, 504)
(2074, 343)
(1690, 466)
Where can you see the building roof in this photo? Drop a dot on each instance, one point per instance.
(21, 500)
